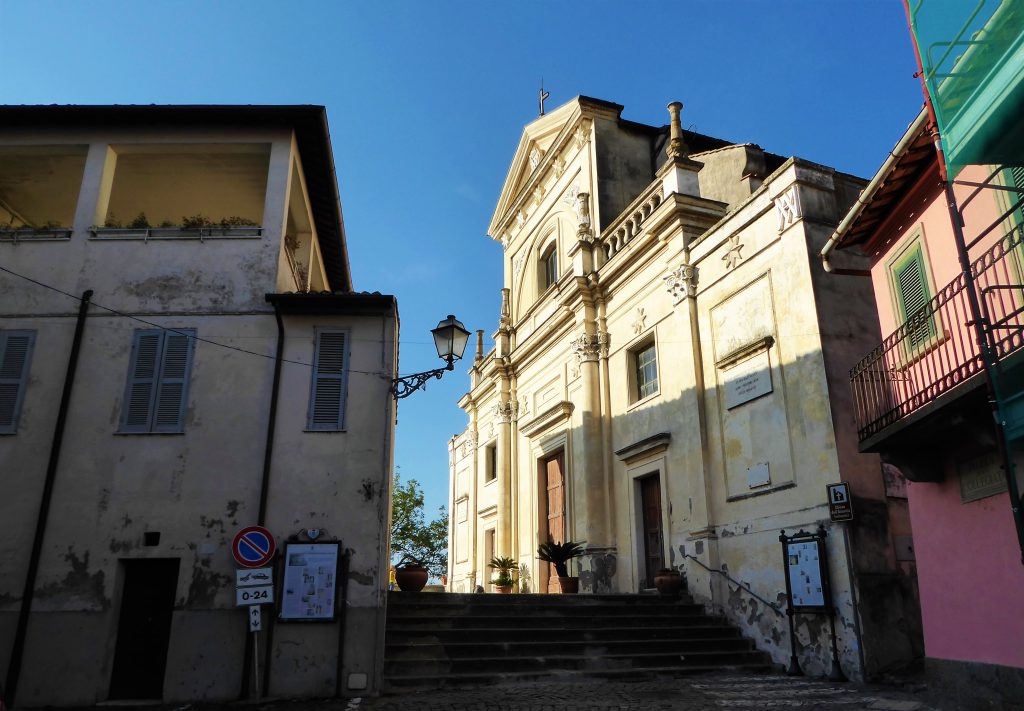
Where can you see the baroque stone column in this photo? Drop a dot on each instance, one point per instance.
(590, 494)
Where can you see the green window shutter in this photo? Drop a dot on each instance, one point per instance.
(172, 389)
(330, 370)
(1016, 180)
(913, 297)
(15, 356)
(158, 374)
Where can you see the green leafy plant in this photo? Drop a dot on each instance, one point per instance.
(167, 223)
(559, 554)
(504, 567)
(140, 222)
(195, 222)
(236, 221)
(408, 561)
(112, 222)
(411, 536)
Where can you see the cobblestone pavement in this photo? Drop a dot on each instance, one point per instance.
(703, 693)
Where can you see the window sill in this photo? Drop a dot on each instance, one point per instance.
(135, 434)
(340, 429)
(490, 481)
(643, 400)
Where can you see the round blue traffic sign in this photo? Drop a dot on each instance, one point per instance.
(253, 547)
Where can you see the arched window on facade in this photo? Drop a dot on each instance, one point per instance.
(548, 267)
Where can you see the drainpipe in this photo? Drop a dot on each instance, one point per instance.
(867, 195)
(18, 648)
(261, 516)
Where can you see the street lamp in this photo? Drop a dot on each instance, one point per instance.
(450, 338)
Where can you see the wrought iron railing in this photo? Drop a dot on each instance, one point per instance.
(936, 349)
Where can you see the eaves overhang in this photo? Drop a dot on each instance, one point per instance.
(309, 123)
(334, 302)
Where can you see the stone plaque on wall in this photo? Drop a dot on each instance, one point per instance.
(747, 380)
(981, 477)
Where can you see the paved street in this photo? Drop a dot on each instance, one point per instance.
(704, 693)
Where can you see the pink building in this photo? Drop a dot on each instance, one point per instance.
(921, 401)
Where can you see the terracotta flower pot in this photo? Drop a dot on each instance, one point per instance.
(503, 589)
(411, 578)
(569, 585)
(668, 582)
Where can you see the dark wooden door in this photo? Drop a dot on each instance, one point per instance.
(554, 476)
(144, 628)
(650, 497)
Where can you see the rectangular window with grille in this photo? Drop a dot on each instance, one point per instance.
(909, 276)
(15, 356)
(156, 395)
(330, 381)
(646, 370)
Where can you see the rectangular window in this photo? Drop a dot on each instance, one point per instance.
(15, 356)
(551, 268)
(491, 471)
(330, 382)
(646, 371)
(913, 297)
(157, 391)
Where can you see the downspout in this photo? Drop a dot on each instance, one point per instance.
(866, 196)
(21, 631)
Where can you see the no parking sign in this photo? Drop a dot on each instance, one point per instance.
(253, 547)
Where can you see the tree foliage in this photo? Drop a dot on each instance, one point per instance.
(411, 535)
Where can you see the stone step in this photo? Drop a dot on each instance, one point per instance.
(433, 681)
(399, 650)
(411, 665)
(704, 629)
(519, 611)
(544, 621)
(529, 600)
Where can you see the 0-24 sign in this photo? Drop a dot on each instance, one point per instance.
(259, 595)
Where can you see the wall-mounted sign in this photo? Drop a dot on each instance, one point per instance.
(840, 504)
(310, 584)
(253, 547)
(747, 380)
(806, 582)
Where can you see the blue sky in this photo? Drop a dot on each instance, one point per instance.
(427, 100)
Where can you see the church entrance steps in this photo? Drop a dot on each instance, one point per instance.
(437, 639)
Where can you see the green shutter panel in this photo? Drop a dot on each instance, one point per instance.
(172, 387)
(327, 399)
(1017, 181)
(137, 412)
(914, 298)
(15, 355)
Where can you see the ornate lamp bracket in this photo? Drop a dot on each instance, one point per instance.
(408, 384)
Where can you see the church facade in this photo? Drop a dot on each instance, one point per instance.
(668, 384)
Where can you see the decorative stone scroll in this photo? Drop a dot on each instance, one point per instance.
(517, 263)
(681, 282)
(788, 208)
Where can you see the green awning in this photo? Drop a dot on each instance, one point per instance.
(973, 57)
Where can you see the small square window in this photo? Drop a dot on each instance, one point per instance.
(644, 363)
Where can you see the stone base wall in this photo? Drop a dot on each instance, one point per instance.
(974, 686)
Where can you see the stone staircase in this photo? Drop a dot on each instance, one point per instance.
(438, 639)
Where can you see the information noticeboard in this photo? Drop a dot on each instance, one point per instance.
(309, 589)
(804, 569)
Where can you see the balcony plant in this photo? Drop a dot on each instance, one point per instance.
(559, 555)
(504, 580)
(411, 574)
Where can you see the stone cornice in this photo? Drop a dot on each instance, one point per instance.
(647, 447)
(547, 419)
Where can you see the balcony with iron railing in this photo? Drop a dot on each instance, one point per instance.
(935, 351)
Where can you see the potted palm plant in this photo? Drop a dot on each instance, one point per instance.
(504, 580)
(559, 555)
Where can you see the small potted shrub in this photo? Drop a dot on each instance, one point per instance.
(504, 580)
(559, 555)
(668, 582)
(410, 574)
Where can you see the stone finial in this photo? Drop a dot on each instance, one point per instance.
(479, 344)
(677, 147)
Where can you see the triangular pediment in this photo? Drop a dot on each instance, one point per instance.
(541, 138)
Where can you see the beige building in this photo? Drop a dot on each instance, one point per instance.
(208, 367)
(668, 384)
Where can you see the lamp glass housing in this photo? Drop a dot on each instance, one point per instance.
(450, 338)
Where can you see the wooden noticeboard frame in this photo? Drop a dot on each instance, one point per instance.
(309, 584)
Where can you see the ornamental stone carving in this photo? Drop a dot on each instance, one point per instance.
(681, 282)
(788, 208)
(535, 156)
(469, 444)
(588, 348)
(517, 263)
(733, 254)
(505, 410)
(640, 323)
(582, 135)
(582, 207)
(524, 406)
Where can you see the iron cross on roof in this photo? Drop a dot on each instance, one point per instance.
(543, 95)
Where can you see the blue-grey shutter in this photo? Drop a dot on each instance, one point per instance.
(143, 371)
(327, 398)
(15, 355)
(172, 387)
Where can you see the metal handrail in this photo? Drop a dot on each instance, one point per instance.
(737, 583)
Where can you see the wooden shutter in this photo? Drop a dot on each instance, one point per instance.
(1017, 181)
(157, 389)
(172, 388)
(15, 355)
(327, 398)
(912, 289)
